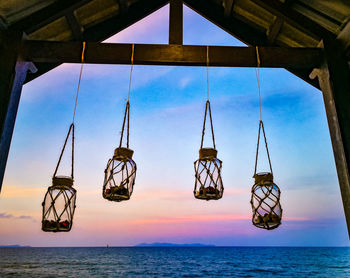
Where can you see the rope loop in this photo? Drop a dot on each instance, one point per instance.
(207, 109)
(71, 129)
(261, 127)
(127, 120)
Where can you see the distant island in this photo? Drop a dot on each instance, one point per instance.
(166, 244)
(16, 245)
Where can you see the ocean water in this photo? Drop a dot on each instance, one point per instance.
(175, 262)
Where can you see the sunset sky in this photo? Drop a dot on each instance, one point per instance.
(167, 109)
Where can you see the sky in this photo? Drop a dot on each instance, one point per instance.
(167, 109)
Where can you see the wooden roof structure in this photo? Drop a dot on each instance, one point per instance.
(291, 23)
(310, 38)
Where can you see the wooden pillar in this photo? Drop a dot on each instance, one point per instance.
(13, 73)
(334, 80)
(175, 22)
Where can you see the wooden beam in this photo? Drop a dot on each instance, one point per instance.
(123, 6)
(228, 6)
(74, 25)
(344, 38)
(181, 55)
(175, 22)
(295, 18)
(334, 79)
(3, 25)
(13, 73)
(274, 30)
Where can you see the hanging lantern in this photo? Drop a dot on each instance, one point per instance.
(59, 205)
(208, 184)
(120, 172)
(59, 201)
(265, 199)
(267, 211)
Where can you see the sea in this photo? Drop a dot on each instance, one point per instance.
(175, 262)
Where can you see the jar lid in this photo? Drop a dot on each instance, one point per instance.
(62, 180)
(207, 153)
(123, 152)
(263, 177)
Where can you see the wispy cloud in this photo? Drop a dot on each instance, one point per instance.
(4, 215)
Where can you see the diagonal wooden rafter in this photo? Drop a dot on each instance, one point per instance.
(74, 25)
(274, 30)
(228, 5)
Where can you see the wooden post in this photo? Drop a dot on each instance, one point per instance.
(175, 22)
(13, 73)
(334, 80)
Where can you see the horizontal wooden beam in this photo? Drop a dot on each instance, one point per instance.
(171, 55)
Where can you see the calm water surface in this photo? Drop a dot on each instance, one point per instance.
(175, 262)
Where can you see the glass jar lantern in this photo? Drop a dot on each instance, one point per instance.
(120, 175)
(208, 184)
(120, 172)
(59, 205)
(265, 201)
(59, 201)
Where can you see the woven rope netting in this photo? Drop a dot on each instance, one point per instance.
(119, 180)
(267, 211)
(58, 208)
(208, 185)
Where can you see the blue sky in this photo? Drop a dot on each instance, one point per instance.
(167, 107)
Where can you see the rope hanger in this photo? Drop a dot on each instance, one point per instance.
(207, 107)
(261, 124)
(127, 107)
(71, 127)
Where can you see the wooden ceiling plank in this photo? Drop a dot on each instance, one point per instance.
(295, 18)
(47, 15)
(344, 38)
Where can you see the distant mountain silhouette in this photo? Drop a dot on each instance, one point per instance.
(166, 244)
(15, 245)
